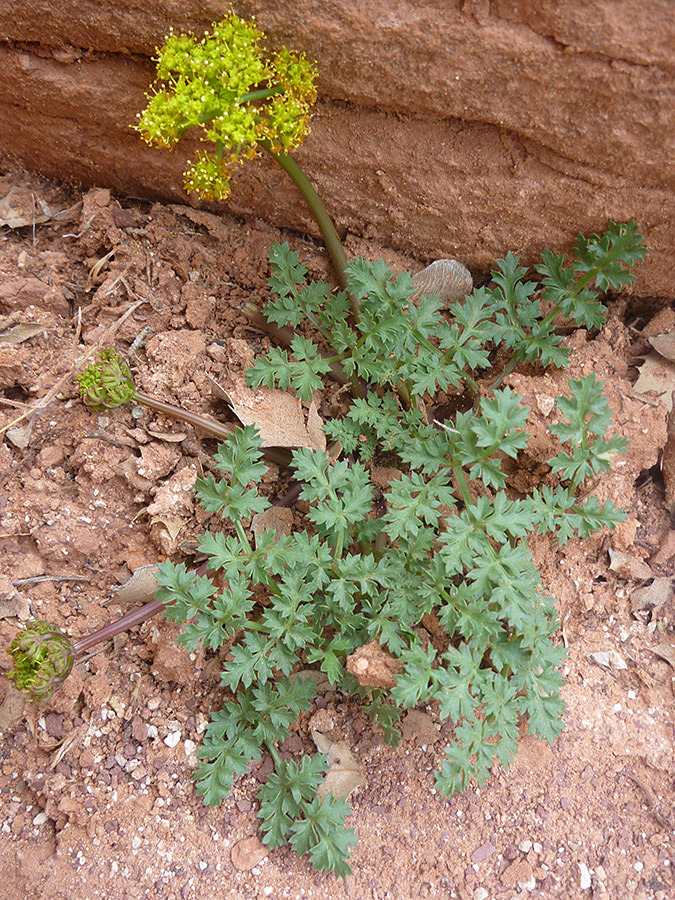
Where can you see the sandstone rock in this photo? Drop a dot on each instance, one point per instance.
(443, 129)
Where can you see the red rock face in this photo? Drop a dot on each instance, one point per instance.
(463, 129)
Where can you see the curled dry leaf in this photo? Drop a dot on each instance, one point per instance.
(653, 595)
(668, 460)
(140, 587)
(278, 416)
(664, 344)
(657, 375)
(373, 667)
(20, 208)
(344, 774)
(666, 650)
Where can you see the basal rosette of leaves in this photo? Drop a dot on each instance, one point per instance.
(241, 99)
(445, 539)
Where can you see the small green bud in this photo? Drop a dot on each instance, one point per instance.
(43, 656)
(107, 383)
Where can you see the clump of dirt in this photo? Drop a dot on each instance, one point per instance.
(96, 796)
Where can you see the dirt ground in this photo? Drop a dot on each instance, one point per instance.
(96, 796)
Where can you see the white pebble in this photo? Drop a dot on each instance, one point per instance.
(41, 818)
(585, 877)
(171, 740)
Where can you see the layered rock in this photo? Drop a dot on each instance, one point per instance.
(443, 128)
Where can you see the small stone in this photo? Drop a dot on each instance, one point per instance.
(525, 846)
(480, 894)
(54, 725)
(139, 729)
(41, 818)
(519, 873)
(248, 853)
(584, 877)
(171, 740)
(485, 851)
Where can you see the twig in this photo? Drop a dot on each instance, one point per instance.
(38, 579)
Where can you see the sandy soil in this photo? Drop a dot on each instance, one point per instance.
(96, 796)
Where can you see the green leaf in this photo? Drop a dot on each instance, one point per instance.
(322, 833)
(240, 456)
(282, 797)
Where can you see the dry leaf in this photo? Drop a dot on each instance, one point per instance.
(372, 666)
(651, 596)
(21, 332)
(608, 659)
(657, 375)
(278, 416)
(666, 651)
(668, 460)
(140, 587)
(171, 437)
(12, 706)
(344, 773)
(20, 437)
(664, 344)
(628, 567)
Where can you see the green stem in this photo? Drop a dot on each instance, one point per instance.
(262, 94)
(318, 210)
(463, 485)
(508, 368)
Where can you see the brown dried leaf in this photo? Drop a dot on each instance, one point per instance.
(344, 773)
(372, 666)
(608, 659)
(664, 344)
(653, 595)
(20, 207)
(21, 332)
(666, 650)
(140, 587)
(278, 416)
(657, 375)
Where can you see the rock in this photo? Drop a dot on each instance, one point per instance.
(485, 851)
(248, 853)
(463, 130)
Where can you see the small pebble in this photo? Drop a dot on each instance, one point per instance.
(171, 740)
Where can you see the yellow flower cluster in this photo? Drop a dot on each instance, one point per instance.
(239, 97)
